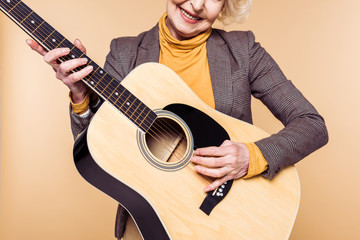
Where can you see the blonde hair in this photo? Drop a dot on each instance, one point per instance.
(235, 11)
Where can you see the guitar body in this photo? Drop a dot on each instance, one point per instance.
(161, 190)
(139, 154)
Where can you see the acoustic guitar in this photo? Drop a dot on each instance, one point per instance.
(137, 150)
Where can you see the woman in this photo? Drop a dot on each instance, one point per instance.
(228, 67)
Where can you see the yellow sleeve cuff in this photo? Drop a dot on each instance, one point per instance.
(80, 108)
(257, 162)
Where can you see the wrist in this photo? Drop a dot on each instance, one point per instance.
(80, 107)
(257, 162)
(78, 98)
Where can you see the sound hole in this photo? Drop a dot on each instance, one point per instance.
(166, 140)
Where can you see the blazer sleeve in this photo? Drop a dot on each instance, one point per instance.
(80, 123)
(304, 130)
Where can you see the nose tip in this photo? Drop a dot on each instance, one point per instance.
(198, 5)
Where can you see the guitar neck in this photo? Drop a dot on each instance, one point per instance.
(101, 82)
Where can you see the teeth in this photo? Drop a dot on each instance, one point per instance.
(189, 16)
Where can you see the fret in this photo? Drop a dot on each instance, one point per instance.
(102, 82)
(60, 43)
(38, 26)
(125, 102)
(27, 17)
(76, 53)
(141, 104)
(147, 114)
(107, 86)
(114, 91)
(91, 80)
(94, 82)
(73, 49)
(129, 104)
(95, 71)
(89, 77)
(14, 6)
(116, 94)
(48, 36)
(31, 23)
(133, 103)
(134, 112)
(120, 95)
(145, 118)
(50, 40)
(15, 15)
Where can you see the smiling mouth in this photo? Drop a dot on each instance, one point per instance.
(188, 15)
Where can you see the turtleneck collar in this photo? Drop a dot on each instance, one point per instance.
(188, 44)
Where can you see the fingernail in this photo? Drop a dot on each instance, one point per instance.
(89, 68)
(207, 189)
(65, 50)
(84, 60)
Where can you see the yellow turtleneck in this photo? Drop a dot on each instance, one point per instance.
(188, 58)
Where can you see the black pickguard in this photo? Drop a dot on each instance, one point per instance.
(206, 132)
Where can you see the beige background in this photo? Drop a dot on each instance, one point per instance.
(316, 43)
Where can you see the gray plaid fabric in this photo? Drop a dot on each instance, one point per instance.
(239, 68)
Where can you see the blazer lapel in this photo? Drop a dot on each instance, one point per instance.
(149, 49)
(220, 72)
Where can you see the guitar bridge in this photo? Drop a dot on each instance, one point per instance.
(213, 198)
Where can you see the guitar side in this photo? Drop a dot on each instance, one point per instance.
(254, 209)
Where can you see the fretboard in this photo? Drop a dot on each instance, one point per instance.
(99, 80)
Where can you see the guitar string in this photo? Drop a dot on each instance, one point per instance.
(41, 33)
(37, 18)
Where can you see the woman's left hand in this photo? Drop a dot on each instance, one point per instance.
(228, 161)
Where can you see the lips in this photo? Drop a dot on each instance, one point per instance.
(189, 16)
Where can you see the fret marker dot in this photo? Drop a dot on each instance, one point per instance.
(54, 40)
(8, 1)
(92, 82)
(117, 94)
(128, 103)
(73, 56)
(101, 72)
(32, 21)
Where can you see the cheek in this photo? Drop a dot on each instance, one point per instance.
(212, 18)
(213, 14)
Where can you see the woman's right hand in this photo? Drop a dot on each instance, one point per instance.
(64, 70)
